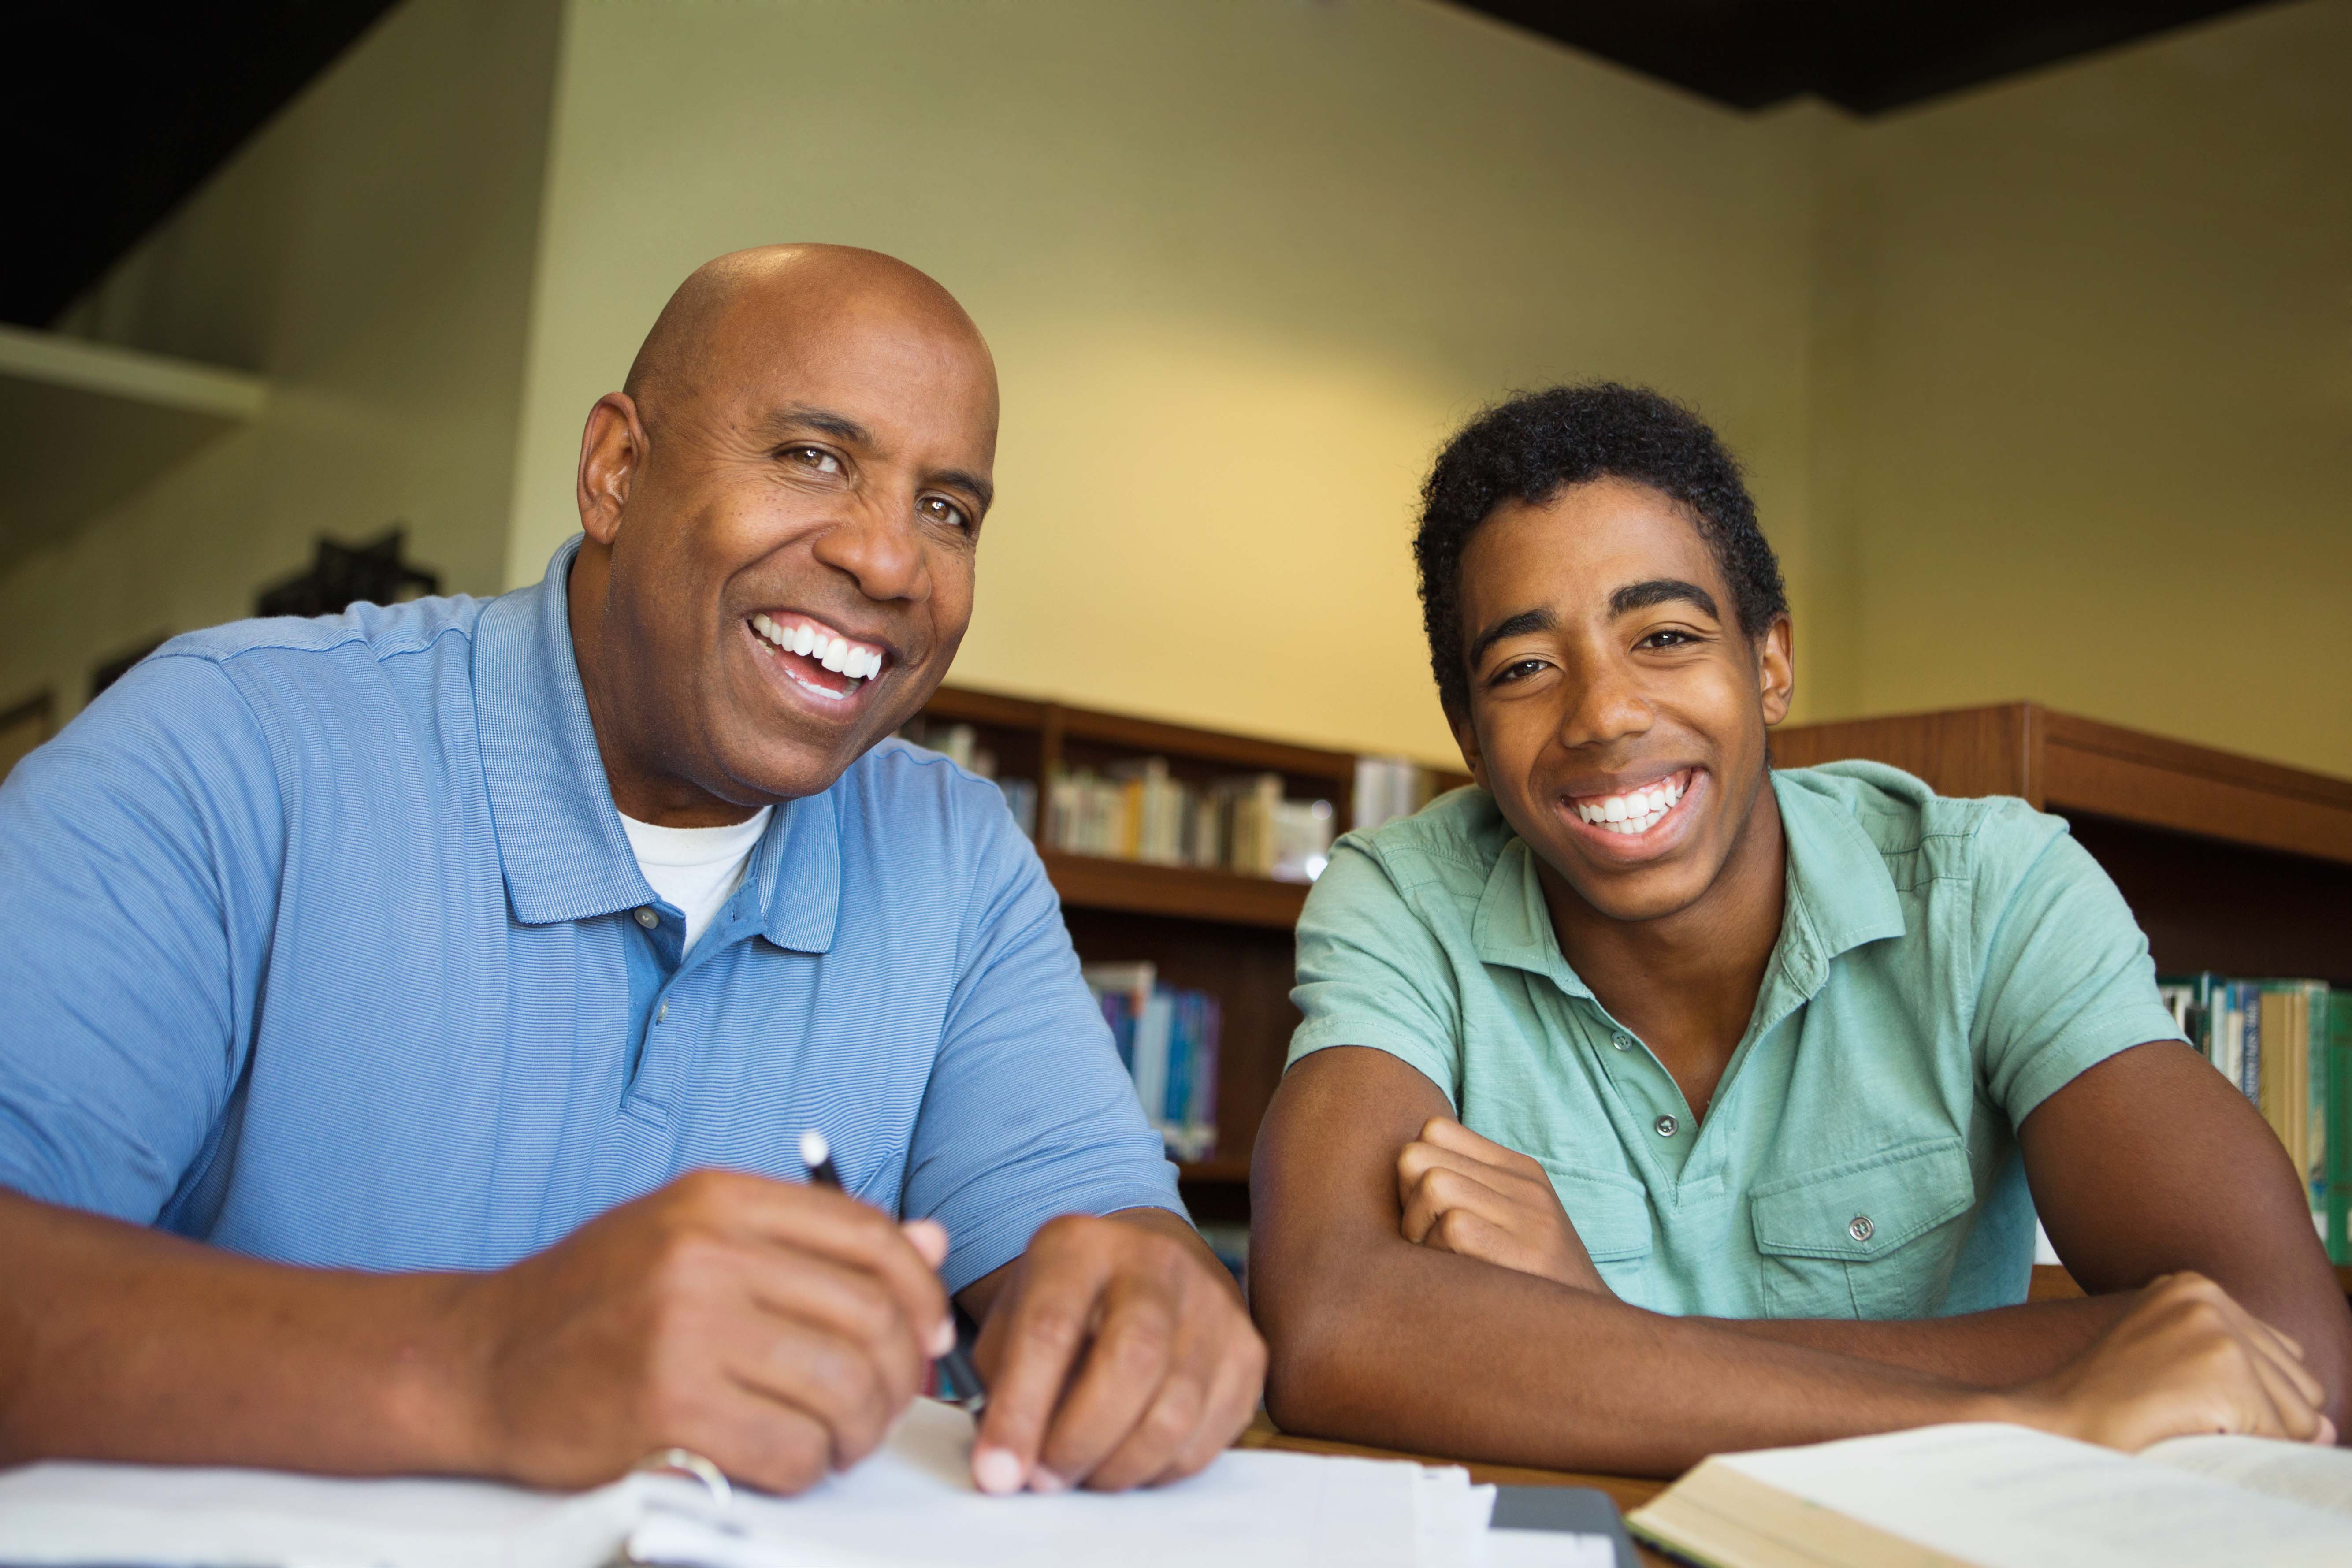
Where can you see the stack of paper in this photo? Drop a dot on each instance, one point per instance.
(911, 1503)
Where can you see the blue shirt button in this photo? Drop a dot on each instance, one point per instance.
(647, 919)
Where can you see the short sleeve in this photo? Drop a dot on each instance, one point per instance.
(1371, 972)
(1029, 1114)
(2067, 981)
(136, 851)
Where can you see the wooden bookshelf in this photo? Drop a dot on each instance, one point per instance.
(2229, 863)
(1218, 931)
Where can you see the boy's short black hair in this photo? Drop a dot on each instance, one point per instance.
(1530, 448)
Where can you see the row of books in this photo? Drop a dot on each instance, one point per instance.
(2286, 1045)
(1168, 1039)
(1138, 810)
(1388, 788)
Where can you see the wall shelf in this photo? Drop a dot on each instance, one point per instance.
(84, 424)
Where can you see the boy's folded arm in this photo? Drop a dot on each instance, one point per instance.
(1376, 1339)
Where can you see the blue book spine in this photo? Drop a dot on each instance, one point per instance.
(1179, 1059)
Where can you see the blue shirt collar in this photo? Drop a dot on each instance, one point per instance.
(559, 834)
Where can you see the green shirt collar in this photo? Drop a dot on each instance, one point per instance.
(1840, 897)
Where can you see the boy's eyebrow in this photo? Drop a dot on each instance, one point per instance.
(1660, 590)
(1520, 625)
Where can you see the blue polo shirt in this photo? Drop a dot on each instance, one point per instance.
(322, 941)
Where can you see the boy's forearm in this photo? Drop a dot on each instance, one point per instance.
(1408, 1347)
(2000, 1348)
(121, 1343)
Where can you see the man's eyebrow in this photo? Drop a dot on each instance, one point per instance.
(971, 484)
(800, 416)
(1660, 590)
(1525, 621)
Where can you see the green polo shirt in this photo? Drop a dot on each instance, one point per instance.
(1944, 966)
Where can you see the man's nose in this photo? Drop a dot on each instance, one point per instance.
(880, 545)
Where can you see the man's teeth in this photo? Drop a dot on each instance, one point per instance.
(1636, 810)
(836, 654)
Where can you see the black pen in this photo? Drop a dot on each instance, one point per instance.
(964, 1386)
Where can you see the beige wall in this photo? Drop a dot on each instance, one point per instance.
(370, 252)
(2086, 422)
(1242, 267)
(2046, 389)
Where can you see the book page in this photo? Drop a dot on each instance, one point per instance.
(2296, 1472)
(2006, 1497)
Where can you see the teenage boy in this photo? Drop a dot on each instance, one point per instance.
(1649, 1102)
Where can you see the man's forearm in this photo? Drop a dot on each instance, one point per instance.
(1997, 1348)
(1408, 1347)
(121, 1343)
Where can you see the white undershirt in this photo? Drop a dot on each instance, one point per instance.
(696, 871)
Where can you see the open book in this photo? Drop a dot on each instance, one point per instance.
(910, 1503)
(1986, 1496)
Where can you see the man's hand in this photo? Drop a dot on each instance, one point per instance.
(1117, 1353)
(2187, 1360)
(777, 1330)
(1465, 1195)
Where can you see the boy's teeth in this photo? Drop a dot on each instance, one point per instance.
(1636, 811)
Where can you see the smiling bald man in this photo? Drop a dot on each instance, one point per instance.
(415, 1012)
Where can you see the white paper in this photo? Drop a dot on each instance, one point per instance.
(913, 1503)
(909, 1505)
(2007, 1496)
(140, 1514)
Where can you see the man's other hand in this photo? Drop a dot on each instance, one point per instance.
(775, 1329)
(1117, 1353)
(2187, 1360)
(1472, 1196)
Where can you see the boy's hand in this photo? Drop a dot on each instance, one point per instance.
(2187, 1360)
(1465, 1195)
(1117, 1353)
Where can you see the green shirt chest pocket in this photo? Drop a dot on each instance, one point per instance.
(1875, 1237)
(1610, 1212)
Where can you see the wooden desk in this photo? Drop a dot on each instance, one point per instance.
(1629, 1493)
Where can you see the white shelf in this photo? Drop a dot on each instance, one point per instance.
(83, 425)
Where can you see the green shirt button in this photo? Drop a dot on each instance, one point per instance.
(1623, 1042)
(1668, 1126)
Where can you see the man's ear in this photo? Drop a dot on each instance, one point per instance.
(1465, 735)
(1776, 669)
(611, 450)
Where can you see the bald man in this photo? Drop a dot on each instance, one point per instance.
(414, 1014)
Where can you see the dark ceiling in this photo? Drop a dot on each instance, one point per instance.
(120, 112)
(1868, 55)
